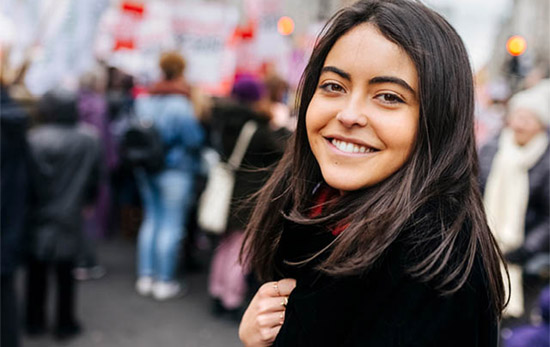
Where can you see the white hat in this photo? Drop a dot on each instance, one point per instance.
(535, 99)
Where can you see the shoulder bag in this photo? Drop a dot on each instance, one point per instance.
(215, 201)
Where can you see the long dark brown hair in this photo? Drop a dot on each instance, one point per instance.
(441, 172)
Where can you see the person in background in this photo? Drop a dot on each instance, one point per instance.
(167, 195)
(64, 172)
(277, 90)
(14, 180)
(515, 174)
(491, 97)
(92, 110)
(227, 284)
(126, 201)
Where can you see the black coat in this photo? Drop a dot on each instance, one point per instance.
(265, 149)
(384, 307)
(14, 179)
(64, 174)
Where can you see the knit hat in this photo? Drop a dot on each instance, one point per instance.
(535, 99)
(248, 88)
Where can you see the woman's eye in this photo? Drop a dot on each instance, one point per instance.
(389, 98)
(332, 87)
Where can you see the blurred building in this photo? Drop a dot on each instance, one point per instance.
(61, 39)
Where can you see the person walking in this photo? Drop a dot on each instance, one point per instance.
(167, 195)
(14, 204)
(227, 284)
(64, 173)
(92, 110)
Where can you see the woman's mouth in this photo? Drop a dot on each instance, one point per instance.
(350, 147)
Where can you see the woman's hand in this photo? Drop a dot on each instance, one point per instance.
(266, 313)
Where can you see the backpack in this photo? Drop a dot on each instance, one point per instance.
(141, 146)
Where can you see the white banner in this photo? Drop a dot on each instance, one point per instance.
(203, 31)
(65, 49)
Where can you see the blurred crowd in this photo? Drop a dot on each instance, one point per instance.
(70, 178)
(73, 173)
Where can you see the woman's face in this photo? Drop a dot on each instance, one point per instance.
(363, 118)
(525, 125)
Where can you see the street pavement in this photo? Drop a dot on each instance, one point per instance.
(114, 315)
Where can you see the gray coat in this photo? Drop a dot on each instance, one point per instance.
(65, 162)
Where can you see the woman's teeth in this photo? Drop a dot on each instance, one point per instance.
(350, 147)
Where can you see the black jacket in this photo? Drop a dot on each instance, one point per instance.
(265, 149)
(14, 179)
(64, 174)
(384, 307)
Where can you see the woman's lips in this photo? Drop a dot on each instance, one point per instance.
(351, 147)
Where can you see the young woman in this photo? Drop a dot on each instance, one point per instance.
(372, 230)
(167, 195)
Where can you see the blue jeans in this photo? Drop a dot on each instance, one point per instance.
(166, 199)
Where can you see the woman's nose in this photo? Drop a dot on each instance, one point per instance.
(352, 116)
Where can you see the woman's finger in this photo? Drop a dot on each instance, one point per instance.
(272, 304)
(268, 335)
(286, 286)
(269, 289)
(271, 319)
(278, 288)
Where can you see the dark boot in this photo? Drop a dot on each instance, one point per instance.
(67, 325)
(36, 293)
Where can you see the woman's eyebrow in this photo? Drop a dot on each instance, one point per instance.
(374, 80)
(390, 79)
(337, 71)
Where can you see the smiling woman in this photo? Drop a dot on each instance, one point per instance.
(373, 222)
(362, 120)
